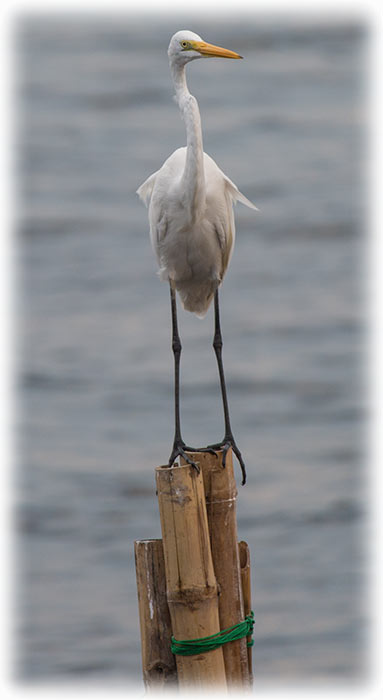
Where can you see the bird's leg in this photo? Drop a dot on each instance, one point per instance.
(228, 440)
(179, 447)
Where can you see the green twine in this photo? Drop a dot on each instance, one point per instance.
(188, 647)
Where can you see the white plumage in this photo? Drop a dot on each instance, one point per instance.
(190, 199)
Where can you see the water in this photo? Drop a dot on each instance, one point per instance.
(96, 117)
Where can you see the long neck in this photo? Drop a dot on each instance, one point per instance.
(193, 180)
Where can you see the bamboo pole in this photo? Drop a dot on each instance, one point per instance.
(158, 663)
(190, 581)
(221, 493)
(244, 559)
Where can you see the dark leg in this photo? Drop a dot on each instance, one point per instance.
(178, 445)
(228, 441)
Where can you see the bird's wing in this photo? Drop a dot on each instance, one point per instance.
(221, 194)
(156, 192)
(232, 194)
(145, 190)
(225, 231)
(220, 214)
(157, 220)
(236, 195)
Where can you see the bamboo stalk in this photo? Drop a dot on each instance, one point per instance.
(221, 493)
(158, 663)
(191, 585)
(244, 559)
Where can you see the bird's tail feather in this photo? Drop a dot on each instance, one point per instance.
(197, 298)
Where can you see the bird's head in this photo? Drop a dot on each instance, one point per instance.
(186, 46)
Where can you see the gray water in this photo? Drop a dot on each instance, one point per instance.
(95, 407)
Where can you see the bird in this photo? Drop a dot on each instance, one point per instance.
(190, 208)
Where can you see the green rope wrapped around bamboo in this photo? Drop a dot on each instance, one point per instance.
(188, 647)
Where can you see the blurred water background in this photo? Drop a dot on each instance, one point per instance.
(95, 406)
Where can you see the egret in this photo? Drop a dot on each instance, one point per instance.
(192, 231)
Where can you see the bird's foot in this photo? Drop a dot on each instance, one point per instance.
(208, 449)
(179, 450)
(227, 442)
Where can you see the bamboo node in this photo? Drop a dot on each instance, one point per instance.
(158, 667)
(192, 595)
(220, 500)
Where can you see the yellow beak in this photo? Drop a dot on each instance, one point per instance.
(211, 50)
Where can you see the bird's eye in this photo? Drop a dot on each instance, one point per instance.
(184, 44)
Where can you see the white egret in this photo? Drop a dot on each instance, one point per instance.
(192, 230)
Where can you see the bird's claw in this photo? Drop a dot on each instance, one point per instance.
(225, 445)
(209, 449)
(179, 450)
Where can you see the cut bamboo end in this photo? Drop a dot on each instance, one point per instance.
(244, 558)
(221, 493)
(158, 663)
(190, 580)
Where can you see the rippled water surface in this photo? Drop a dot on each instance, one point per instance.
(96, 117)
